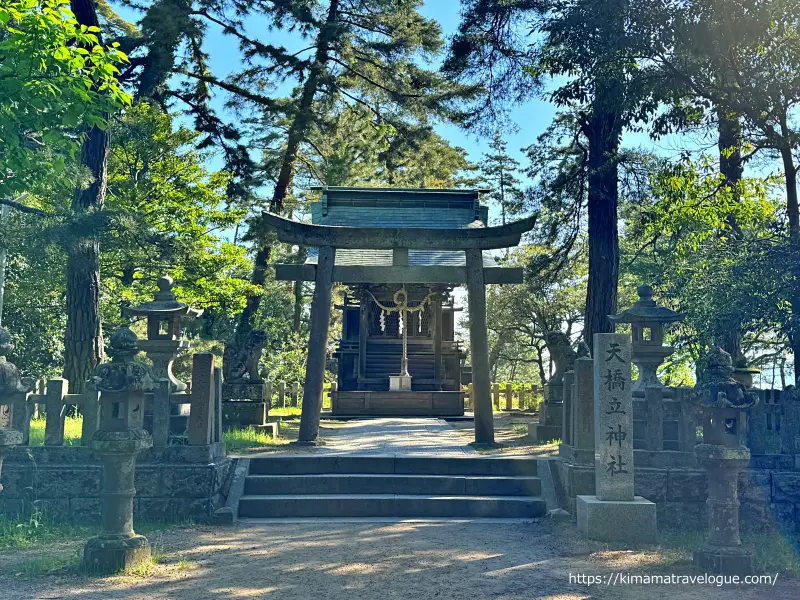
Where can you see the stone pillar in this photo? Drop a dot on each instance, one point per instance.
(583, 412)
(509, 397)
(282, 395)
(161, 413)
(654, 400)
(522, 397)
(723, 402)
(296, 394)
(317, 347)
(566, 417)
(201, 415)
(216, 435)
(122, 384)
(54, 425)
(90, 408)
(614, 514)
(496, 396)
(479, 342)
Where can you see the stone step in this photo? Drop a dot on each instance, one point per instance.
(389, 505)
(451, 485)
(407, 464)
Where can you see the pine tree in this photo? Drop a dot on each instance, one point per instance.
(499, 170)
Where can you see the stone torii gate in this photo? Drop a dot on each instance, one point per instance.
(327, 238)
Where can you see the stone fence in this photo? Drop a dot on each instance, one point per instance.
(509, 396)
(666, 427)
(182, 477)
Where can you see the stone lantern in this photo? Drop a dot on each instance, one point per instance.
(647, 321)
(120, 437)
(723, 403)
(743, 373)
(164, 344)
(13, 393)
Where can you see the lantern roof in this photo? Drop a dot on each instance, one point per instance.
(164, 303)
(646, 310)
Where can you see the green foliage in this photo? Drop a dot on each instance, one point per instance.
(55, 78)
(169, 214)
(683, 242)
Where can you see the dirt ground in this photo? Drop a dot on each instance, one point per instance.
(386, 561)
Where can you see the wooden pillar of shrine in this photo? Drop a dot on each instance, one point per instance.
(479, 344)
(317, 346)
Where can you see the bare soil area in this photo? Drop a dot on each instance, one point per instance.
(387, 561)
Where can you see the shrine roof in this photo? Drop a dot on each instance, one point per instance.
(399, 207)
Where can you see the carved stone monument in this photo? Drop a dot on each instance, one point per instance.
(550, 425)
(122, 384)
(244, 398)
(723, 402)
(614, 513)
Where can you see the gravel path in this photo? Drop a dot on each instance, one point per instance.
(384, 561)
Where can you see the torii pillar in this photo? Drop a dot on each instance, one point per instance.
(328, 238)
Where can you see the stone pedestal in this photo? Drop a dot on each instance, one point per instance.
(399, 383)
(118, 547)
(8, 439)
(723, 552)
(551, 412)
(614, 514)
(617, 521)
(245, 404)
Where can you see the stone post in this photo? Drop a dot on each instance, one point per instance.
(13, 393)
(54, 424)
(522, 397)
(723, 402)
(496, 396)
(282, 395)
(509, 397)
(201, 415)
(296, 394)
(654, 400)
(566, 418)
(583, 412)
(614, 514)
(122, 384)
(216, 435)
(90, 408)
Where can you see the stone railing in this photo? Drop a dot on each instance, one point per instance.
(509, 396)
(192, 417)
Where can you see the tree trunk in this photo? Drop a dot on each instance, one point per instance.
(603, 134)
(793, 214)
(83, 342)
(729, 335)
(297, 133)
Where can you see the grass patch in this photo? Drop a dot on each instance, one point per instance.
(289, 411)
(72, 431)
(520, 428)
(48, 563)
(773, 551)
(242, 440)
(36, 531)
